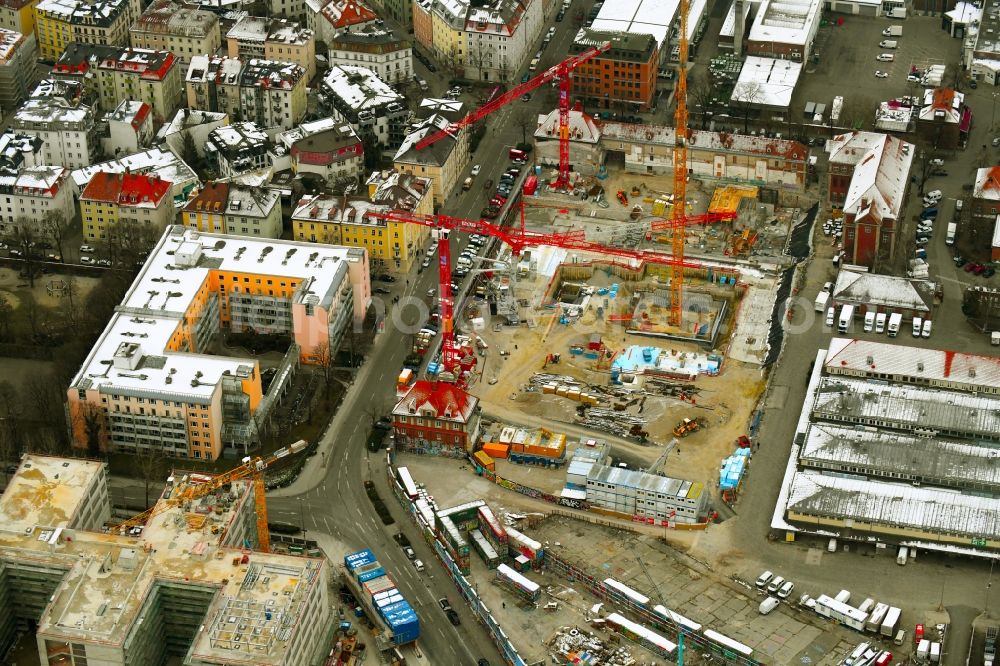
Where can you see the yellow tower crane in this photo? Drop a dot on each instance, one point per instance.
(680, 172)
(251, 468)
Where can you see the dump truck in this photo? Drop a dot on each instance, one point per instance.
(686, 427)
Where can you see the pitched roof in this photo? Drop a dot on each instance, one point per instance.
(125, 189)
(880, 175)
(342, 13)
(971, 370)
(885, 290)
(446, 401)
(988, 183)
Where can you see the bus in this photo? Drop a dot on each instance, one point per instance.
(406, 481)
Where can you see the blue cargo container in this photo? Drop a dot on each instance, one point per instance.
(396, 607)
(405, 628)
(359, 559)
(371, 575)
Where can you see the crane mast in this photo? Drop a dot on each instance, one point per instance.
(680, 173)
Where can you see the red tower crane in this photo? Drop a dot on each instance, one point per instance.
(560, 71)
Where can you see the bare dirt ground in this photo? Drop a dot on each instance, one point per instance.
(15, 288)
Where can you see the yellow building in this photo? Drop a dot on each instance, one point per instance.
(443, 161)
(18, 15)
(273, 39)
(229, 208)
(59, 22)
(113, 198)
(168, 26)
(447, 23)
(391, 246)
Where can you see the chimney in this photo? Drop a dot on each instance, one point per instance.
(738, 27)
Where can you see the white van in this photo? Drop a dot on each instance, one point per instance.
(534, 65)
(768, 605)
(846, 317)
(764, 579)
(917, 323)
(926, 330)
(895, 320)
(830, 314)
(831, 546)
(901, 555)
(869, 321)
(775, 584)
(880, 320)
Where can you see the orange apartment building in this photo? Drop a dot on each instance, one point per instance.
(150, 382)
(623, 78)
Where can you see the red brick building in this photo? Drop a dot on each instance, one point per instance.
(437, 418)
(868, 178)
(622, 78)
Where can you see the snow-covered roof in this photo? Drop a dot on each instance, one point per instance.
(171, 279)
(343, 13)
(38, 181)
(722, 142)
(885, 504)
(435, 154)
(907, 408)
(10, 42)
(640, 480)
(651, 17)
(767, 82)
(359, 88)
(886, 291)
(582, 127)
(944, 102)
(224, 198)
(987, 183)
(991, 64)
(188, 118)
(881, 171)
(964, 13)
(915, 365)
(729, 23)
(785, 21)
(159, 161)
(44, 111)
(238, 136)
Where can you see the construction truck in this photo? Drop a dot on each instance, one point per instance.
(686, 427)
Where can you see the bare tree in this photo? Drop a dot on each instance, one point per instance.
(6, 312)
(47, 408)
(479, 56)
(25, 239)
(91, 419)
(527, 121)
(71, 301)
(55, 226)
(746, 95)
(701, 93)
(324, 359)
(12, 414)
(130, 242)
(34, 315)
(150, 466)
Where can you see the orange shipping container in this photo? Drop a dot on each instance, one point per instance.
(496, 451)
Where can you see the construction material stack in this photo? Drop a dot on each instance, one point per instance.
(382, 600)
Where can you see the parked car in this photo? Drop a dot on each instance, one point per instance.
(763, 580)
(87, 249)
(775, 584)
(418, 565)
(385, 278)
(475, 170)
(410, 555)
(885, 57)
(103, 262)
(85, 260)
(879, 74)
(785, 590)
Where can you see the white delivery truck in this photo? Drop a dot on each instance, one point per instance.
(893, 31)
(822, 298)
(875, 619)
(918, 322)
(846, 317)
(843, 596)
(890, 623)
(869, 321)
(902, 555)
(895, 320)
(949, 239)
(768, 605)
(880, 320)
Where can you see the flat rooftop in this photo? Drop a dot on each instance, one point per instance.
(46, 492)
(109, 577)
(785, 21)
(886, 504)
(958, 369)
(907, 408)
(773, 81)
(175, 272)
(944, 462)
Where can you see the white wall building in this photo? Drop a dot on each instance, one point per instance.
(376, 48)
(358, 96)
(500, 38)
(648, 496)
(67, 130)
(34, 192)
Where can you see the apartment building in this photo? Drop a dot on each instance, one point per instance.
(231, 208)
(18, 151)
(400, 11)
(117, 73)
(488, 41)
(129, 129)
(238, 148)
(622, 78)
(17, 67)
(357, 96)
(68, 132)
(443, 161)
(351, 220)
(18, 16)
(328, 17)
(170, 26)
(436, 416)
(273, 39)
(159, 162)
(168, 592)
(267, 92)
(124, 199)
(148, 381)
(59, 22)
(376, 48)
(32, 193)
(190, 122)
(327, 148)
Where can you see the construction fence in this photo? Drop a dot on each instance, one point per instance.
(579, 574)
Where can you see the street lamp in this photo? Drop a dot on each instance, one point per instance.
(993, 113)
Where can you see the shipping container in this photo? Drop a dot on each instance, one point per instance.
(876, 617)
(496, 451)
(890, 623)
(530, 185)
(358, 559)
(844, 596)
(527, 588)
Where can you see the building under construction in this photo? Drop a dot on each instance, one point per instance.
(186, 586)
